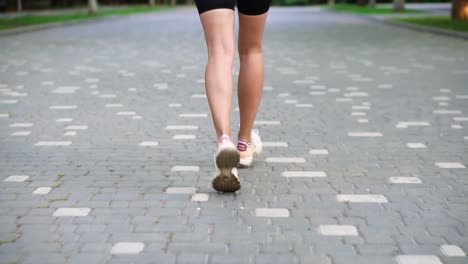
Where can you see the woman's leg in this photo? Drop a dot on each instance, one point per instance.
(250, 84)
(218, 25)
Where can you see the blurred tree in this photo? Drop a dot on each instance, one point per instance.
(331, 2)
(460, 9)
(19, 6)
(152, 2)
(372, 3)
(92, 6)
(399, 5)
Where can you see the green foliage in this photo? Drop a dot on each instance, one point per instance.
(439, 22)
(58, 199)
(27, 20)
(365, 10)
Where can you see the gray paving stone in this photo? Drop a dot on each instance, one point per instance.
(404, 85)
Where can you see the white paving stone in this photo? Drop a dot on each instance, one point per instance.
(449, 165)
(65, 89)
(456, 126)
(334, 90)
(53, 143)
(175, 127)
(357, 94)
(266, 122)
(415, 145)
(361, 198)
(275, 144)
(137, 117)
(123, 248)
(76, 127)
(16, 178)
(185, 168)
(284, 94)
(318, 151)
(446, 112)
(364, 134)
(338, 230)
(126, 113)
(417, 259)
(452, 251)
(161, 86)
(271, 212)
(460, 118)
(363, 120)
(193, 115)
(199, 96)
(404, 180)
(70, 133)
(63, 119)
(351, 88)
(181, 190)
(358, 113)
(113, 105)
(183, 137)
(9, 101)
(92, 80)
(3, 115)
(461, 96)
(441, 98)
(47, 83)
(360, 107)
(285, 160)
(200, 197)
(62, 107)
(317, 87)
(149, 143)
(107, 96)
(304, 81)
(306, 174)
(42, 190)
(290, 101)
(21, 133)
(21, 125)
(174, 105)
(16, 94)
(304, 105)
(67, 211)
(411, 123)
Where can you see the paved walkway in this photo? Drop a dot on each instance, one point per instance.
(106, 146)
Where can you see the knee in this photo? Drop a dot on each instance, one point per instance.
(224, 55)
(250, 52)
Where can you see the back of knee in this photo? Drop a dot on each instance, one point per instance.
(222, 54)
(248, 52)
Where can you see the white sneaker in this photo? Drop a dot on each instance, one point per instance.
(248, 150)
(226, 159)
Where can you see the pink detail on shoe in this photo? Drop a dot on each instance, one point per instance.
(223, 137)
(242, 146)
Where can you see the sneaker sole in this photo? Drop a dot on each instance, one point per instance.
(245, 162)
(226, 181)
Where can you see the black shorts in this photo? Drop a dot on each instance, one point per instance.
(246, 7)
